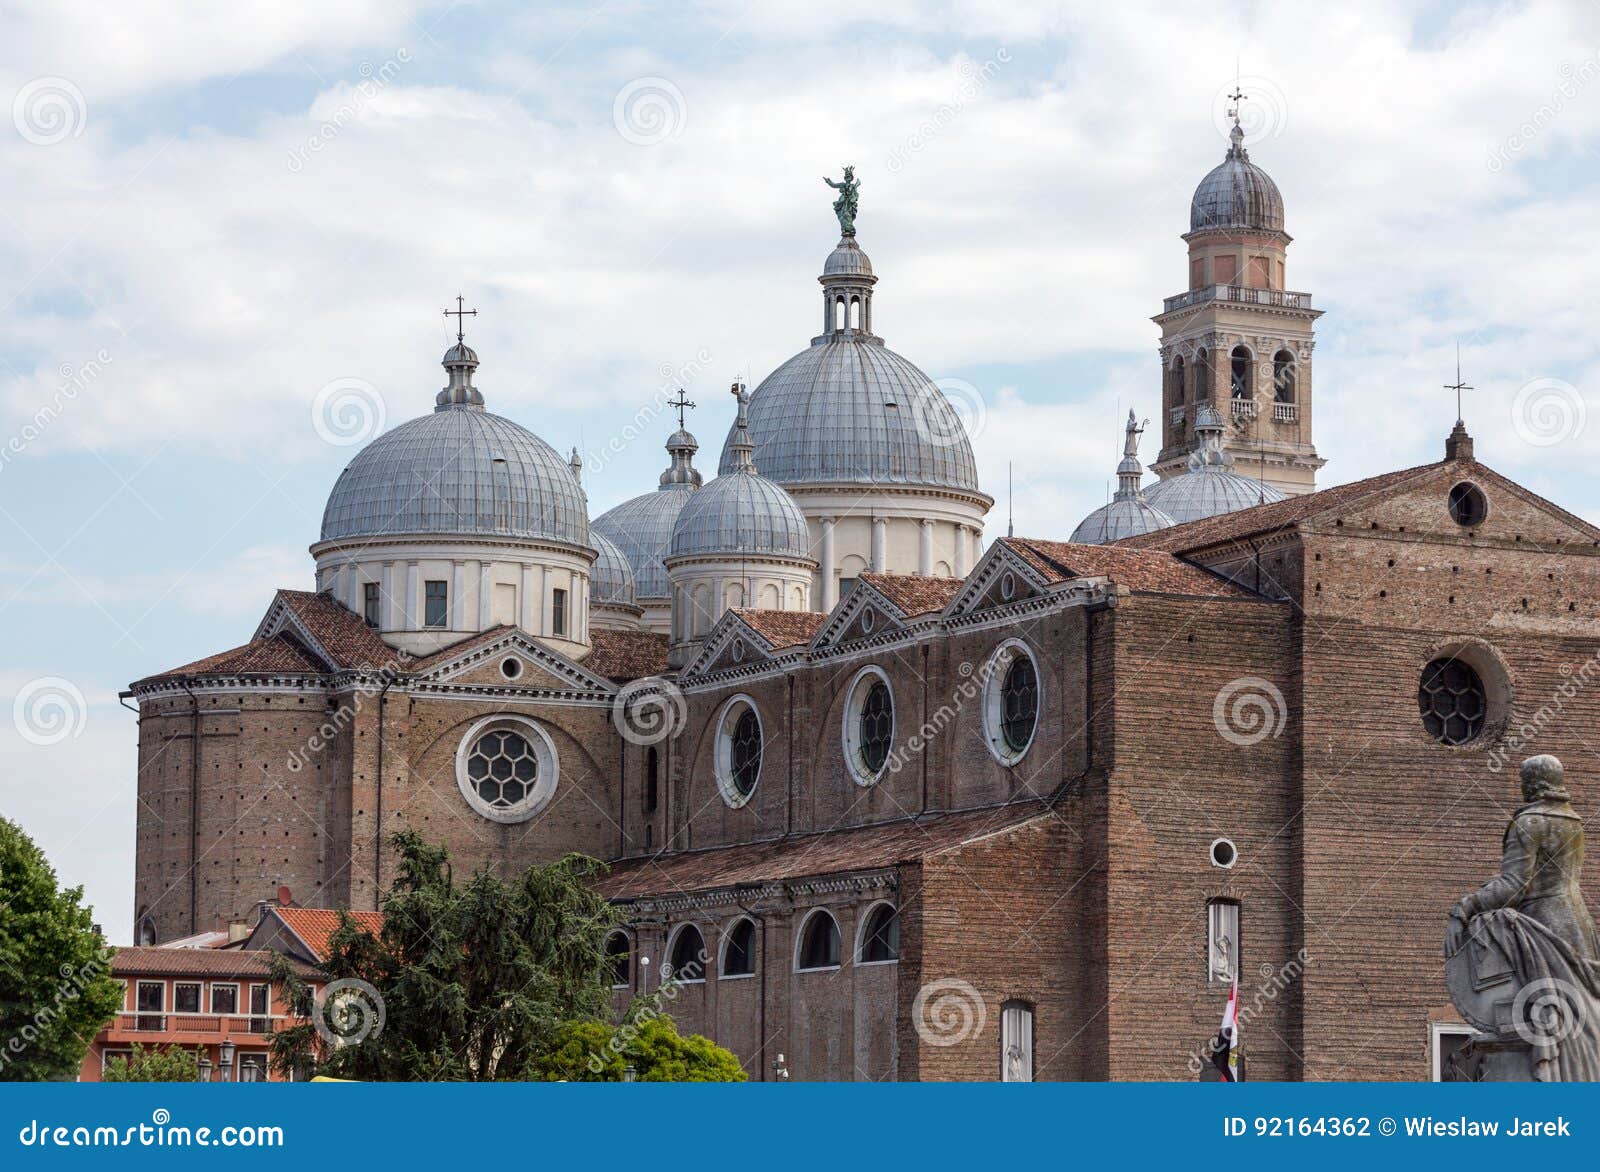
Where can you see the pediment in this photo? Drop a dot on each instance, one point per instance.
(863, 613)
(732, 644)
(539, 668)
(1002, 577)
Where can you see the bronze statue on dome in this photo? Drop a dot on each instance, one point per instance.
(845, 207)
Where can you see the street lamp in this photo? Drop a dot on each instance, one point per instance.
(226, 1057)
(205, 1067)
(630, 1073)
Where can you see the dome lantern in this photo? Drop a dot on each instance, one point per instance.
(1128, 513)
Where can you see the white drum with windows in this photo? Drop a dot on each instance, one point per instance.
(1011, 701)
(868, 725)
(739, 744)
(506, 768)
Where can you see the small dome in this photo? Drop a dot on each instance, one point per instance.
(642, 526)
(741, 513)
(1237, 195)
(611, 577)
(1210, 487)
(460, 354)
(459, 470)
(847, 260)
(1119, 519)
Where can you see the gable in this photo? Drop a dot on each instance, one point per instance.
(1002, 577)
(863, 613)
(731, 645)
(476, 662)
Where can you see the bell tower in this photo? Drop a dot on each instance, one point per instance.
(1238, 338)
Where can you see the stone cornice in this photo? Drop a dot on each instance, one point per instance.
(775, 895)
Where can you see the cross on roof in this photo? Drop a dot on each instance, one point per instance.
(460, 314)
(1458, 386)
(680, 403)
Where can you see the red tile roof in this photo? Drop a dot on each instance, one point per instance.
(913, 593)
(197, 962)
(315, 925)
(864, 848)
(1147, 571)
(782, 628)
(626, 655)
(445, 654)
(272, 656)
(342, 632)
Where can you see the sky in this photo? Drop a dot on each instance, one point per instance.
(227, 236)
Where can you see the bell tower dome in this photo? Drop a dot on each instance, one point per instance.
(1237, 339)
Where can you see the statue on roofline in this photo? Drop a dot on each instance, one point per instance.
(845, 207)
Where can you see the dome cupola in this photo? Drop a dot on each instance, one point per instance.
(1128, 513)
(1236, 195)
(1210, 486)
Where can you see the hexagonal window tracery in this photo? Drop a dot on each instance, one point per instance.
(1453, 702)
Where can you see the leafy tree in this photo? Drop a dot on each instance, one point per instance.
(474, 979)
(56, 991)
(593, 1051)
(157, 1064)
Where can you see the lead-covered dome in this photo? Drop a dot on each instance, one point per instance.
(458, 471)
(1127, 514)
(741, 513)
(849, 410)
(642, 526)
(1236, 195)
(1210, 486)
(611, 577)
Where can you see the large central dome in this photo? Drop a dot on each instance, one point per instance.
(849, 410)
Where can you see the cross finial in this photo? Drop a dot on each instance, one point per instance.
(1458, 386)
(460, 315)
(680, 403)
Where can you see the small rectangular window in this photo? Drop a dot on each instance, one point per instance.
(558, 611)
(152, 1000)
(437, 611)
(370, 603)
(224, 999)
(186, 997)
(1222, 947)
(260, 1000)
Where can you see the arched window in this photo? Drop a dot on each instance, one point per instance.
(1283, 377)
(838, 313)
(1241, 372)
(819, 942)
(700, 600)
(686, 956)
(652, 780)
(1177, 383)
(739, 949)
(1200, 377)
(619, 955)
(880, 936)
(147, 931)
(855, 313)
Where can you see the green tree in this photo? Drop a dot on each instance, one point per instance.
(157, 1064)
(56, 991)
(470, 981)
(593, 1051)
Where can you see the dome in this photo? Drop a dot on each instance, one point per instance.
(1236, 195)
(825, 416)
(1119, 519)
(1210, 486)
(611, 577)
(742, 512)
(847, 260)
(641, 528)
(459, 470)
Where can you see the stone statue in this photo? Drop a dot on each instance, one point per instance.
(845, 207)
(1521, 957)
